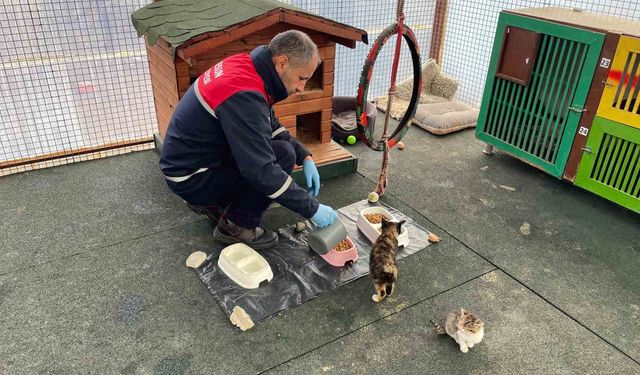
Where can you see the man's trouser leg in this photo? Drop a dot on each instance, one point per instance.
(248, 206)
(215, 190)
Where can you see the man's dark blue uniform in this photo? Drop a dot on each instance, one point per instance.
(224, 146)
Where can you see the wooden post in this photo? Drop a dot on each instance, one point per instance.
(438, 29)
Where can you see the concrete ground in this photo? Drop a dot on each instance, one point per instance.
(93, 281)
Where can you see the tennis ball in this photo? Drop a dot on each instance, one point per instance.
(351, 139)
(373, 197)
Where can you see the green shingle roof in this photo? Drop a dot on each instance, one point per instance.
(177, 21)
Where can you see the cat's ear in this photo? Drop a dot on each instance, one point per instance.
(384, 221)
(399, 225)
(462, 311)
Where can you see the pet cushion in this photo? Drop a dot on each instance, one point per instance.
(445, 117)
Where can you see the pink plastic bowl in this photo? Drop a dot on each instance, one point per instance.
(341, 258)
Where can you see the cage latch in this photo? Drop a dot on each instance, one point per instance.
(578, 108)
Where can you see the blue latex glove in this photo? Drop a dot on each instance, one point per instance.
(324, 217)
(312, 176)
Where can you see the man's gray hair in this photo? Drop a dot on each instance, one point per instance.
(296, 45)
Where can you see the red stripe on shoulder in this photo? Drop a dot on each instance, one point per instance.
(228, 77)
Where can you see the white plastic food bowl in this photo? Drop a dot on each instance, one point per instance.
(244, 266)
(372, 231)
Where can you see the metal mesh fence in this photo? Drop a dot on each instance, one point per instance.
(372, 16)
(471, 25)
(74, 76)
(73, 79)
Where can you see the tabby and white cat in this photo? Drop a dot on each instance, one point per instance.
(382, 262)
(466, 328)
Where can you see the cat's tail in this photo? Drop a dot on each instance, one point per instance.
(438, 328)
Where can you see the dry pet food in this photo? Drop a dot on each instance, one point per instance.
(375, 218)
(342, 246)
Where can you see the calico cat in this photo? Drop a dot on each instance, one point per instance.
(382, 263)
(466, 328)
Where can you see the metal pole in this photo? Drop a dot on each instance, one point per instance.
(438, 29)
(382, 179)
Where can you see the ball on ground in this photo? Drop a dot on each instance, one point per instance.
(300, 226)
(373, 197)
(351, 139)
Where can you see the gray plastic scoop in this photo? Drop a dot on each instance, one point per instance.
(325, 239)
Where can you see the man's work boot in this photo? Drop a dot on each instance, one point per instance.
(229, 233)
(213, 213)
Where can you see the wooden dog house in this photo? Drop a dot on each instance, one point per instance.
(186, 37)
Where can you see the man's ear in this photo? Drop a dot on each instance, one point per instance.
(281, 63)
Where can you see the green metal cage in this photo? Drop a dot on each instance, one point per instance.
(538, 80)
(610, 165)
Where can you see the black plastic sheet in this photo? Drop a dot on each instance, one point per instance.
(299, 274)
